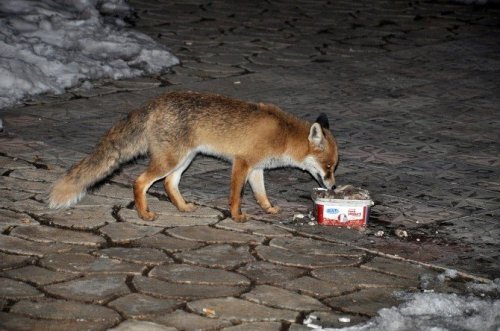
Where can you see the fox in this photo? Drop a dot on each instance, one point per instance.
(176, 126)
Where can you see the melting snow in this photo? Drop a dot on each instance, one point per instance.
(436, 312)
(440, 311)
(51, 45)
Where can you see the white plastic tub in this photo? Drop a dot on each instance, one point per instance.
(342, 212)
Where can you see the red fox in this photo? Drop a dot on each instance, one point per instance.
(176, 126)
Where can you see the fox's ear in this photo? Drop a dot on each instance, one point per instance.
(316, 135)
(323, 121)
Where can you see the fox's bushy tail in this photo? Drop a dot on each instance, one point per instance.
(124, 141)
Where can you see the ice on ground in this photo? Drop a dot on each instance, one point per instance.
(51, 45)
(437, 311)
(477, 2)
(440, 312)
(429, 281)
(492, 289)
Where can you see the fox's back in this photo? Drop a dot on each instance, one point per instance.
(231, 126)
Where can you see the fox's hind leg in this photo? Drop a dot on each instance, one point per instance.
(157, 169)
(256, 180)
(171, 185)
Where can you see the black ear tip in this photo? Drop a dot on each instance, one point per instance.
(323, 121)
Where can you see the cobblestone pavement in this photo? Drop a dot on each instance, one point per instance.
(412, 91)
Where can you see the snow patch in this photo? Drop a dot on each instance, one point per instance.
(440, 311)
(437, 312)
(477, 2)
(51, 45)
(491, 289)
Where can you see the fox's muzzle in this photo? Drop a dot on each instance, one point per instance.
(329, 184)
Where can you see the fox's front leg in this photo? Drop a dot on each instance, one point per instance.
(238, 180)
(256, 180)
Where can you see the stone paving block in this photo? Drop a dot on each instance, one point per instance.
(217, 256)
(291, 258)
(166, 220)
(161, 289)
(13, 163)
(7, 196)
(30, 206)
(132, 325)
(9, 261)
(140, 306)
(190, 274)
(9, 219)
(46, 234)
(81, 263)
(255, 227)
(213, 70)
(268, 273)
(23, 185)
(411, 214)
(366, 301)
(168, 209)
(182, 320)
(15, 145)
(114, 191)
(35, 175)
(52, 155)
(37, 275)
(12, 321)
(258, 326)
(61, 310)
(225, 59)
(90, 289)
(237, 310)
(328, 233)
(166, 243)
(147, 256)
(16, 290)
(316, 247)
(318, 288)
(81, 218)
(280, 298)
(122, 233)
(361, 278)
(93, 201)
(465, 198)
(213, 236)
(396, 268)
(20, 246)
(181, 79)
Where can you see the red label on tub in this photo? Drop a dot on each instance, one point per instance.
(341, 214)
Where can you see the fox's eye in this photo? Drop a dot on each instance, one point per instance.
(328, 166)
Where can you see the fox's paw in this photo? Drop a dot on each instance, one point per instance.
(240, 218)
(148, 216)
(273, 210)
(188, 207)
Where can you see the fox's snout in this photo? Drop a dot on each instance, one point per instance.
(330, 186)
(328, 183)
